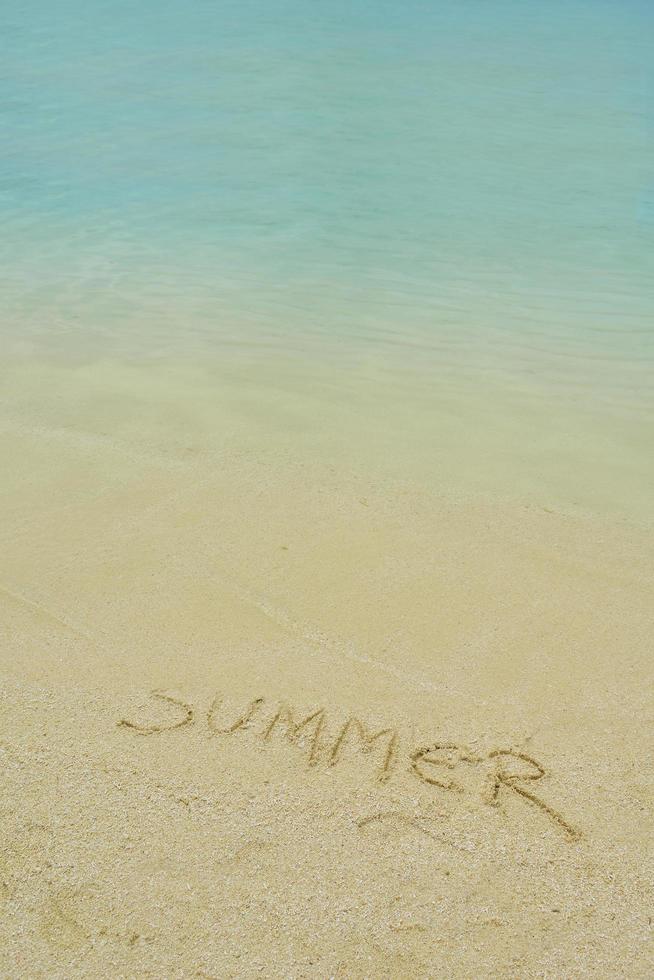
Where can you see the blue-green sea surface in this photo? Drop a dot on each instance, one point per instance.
(415, 235)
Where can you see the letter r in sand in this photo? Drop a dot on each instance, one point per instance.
(506, 777)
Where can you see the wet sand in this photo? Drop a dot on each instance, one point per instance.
(264, 715)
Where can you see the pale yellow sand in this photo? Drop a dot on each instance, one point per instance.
(176, 835)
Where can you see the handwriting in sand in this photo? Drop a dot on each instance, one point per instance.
(436, 764)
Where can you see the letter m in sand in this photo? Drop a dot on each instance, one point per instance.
(293, 729)
(367, 740)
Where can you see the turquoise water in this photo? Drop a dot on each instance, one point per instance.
(431, 218)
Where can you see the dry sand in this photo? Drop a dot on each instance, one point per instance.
(502, 825)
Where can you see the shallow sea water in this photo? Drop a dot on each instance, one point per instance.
(414, 237)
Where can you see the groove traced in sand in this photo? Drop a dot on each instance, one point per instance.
(397, 817)
(45, 611)
(434, 756)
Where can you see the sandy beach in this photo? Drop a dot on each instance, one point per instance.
(267, 717)
(326, 484)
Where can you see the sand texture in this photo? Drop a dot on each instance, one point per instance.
(266, 719)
